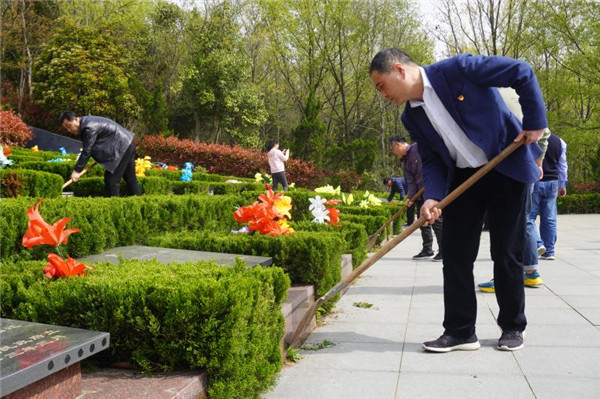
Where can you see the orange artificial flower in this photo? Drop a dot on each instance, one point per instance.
(333, 202)
(39, 232)
(6, 150)
(334, 219)
(58, 267)
(270, 197)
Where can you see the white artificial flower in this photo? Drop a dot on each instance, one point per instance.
(321, 215)
(317, 203)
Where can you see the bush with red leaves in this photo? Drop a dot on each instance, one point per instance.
(237, 161)
(13, 131)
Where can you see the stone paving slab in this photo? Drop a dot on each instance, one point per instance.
(377, 352)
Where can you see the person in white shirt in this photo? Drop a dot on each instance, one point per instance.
(276, 163)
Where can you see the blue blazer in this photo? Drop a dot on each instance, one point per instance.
(466, 85)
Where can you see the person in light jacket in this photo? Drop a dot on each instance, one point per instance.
(276, 163)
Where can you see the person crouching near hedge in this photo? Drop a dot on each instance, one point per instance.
(276, 163)
(110, 144)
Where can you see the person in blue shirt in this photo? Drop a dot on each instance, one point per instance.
(397, 185)
(458, 118)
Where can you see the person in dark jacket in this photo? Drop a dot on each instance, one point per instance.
(110, 144)
(413, 173)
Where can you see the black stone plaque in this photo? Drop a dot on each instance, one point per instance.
(168, 255)
(32, 351)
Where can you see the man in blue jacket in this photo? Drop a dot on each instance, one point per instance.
(396, 185)
(460, 122)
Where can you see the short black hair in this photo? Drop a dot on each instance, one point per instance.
(383, 60)
(386, 180)
(396, 138)
(270, 144)
(68, 115)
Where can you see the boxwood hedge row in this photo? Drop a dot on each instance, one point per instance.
(167, 317)
(32, 183)
(307, 257)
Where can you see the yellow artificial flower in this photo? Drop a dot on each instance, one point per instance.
(364, 204)
(284, 225)
(283, 206)
(141, 165)
(258, 177)
(350, 199)
(35, 149)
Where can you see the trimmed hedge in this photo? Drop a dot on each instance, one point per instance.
(154, 185)
(175, 175)
(307, 257)
(32, 183)
(167, 317)
(63, 169)
(371, 223)
(354, 236)
(110, 222)
(579, 203)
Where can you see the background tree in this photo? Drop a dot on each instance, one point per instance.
(81, 69)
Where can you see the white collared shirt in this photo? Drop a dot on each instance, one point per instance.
(463, 151)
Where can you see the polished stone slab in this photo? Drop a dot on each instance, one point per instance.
(30, 352)
(168, 255)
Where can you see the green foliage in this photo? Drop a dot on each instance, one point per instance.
(180, 316)
(354, 236)
(109, 222)
(307, 257)
(82, 69)
(63, 169)
(309, 135)
(33, 183)
(579, 203)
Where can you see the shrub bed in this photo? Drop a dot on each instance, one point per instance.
(307, 257)
(354, 236)
(175, 175)
(154, 185)
(32, 183)
(63, 169)
(111, 222)
(579, 203)
(176, 317)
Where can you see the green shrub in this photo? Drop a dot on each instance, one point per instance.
(371, 223)
(307, 257)
(63, 169)
(183, 316)
(579, 203)
(110, 222)
(154, 185)
(354, 236)
(19, 159)
(175, 175)
(31, 183)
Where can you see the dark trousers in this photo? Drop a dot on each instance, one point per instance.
(279, 178)
(125, 170)
(426, 232)
(504, 199)
(410, 214)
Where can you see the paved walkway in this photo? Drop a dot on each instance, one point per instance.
(377, 352)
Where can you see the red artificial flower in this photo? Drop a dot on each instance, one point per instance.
(333, 202)
(6, 150)
(58, 267)
(334, 219)
(268, 186)
(39, 232)
(172, 168)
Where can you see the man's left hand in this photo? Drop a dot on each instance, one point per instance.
(562, 192)
(75, 176)
(531, 135)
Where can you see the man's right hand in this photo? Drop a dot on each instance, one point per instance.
(430, 212)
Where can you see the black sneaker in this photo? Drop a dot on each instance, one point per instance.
(423, 255)
(446, 343)
(510, 341)
(438, 257)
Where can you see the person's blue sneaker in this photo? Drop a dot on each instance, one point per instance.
(533, 279)
(487, 287)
